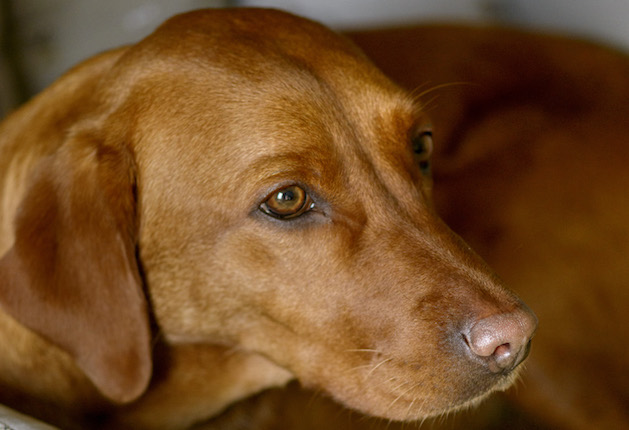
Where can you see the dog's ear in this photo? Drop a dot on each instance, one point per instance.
(72, 274)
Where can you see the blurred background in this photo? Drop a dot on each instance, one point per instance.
(40, 39)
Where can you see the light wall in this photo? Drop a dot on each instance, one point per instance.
(605, 20)
(56, 34)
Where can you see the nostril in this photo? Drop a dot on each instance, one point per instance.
(502, 341)
(504, 356)
(502, 352)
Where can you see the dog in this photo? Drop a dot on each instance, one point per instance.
(238, 200)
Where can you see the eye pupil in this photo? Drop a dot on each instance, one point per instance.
(285, 195)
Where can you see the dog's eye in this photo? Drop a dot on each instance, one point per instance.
(286, 203)
(422, 147)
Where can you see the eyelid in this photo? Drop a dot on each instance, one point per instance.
(307, 206)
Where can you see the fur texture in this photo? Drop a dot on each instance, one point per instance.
(143, 268)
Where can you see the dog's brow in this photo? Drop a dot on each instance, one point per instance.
(304, 165)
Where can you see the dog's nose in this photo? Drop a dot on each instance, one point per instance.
(502, 341)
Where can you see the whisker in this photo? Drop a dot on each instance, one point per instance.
(401, 385)
(377, 365)
(370, 365)
(360, 367)
(391, 379)
(375, 351)
(408, 410)
(314, 396)
(418, 95)
(389, 422)
(428, 104)
(418, 88)
(519, 380)
(413, 386)
(423, 420)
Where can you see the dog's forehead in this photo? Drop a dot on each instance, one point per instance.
(215, 65)
(252, 29)
(253, 43)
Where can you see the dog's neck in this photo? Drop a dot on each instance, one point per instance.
(205, 380)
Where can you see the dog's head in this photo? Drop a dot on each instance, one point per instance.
(265, 187)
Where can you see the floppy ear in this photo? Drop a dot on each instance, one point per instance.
(72, 274)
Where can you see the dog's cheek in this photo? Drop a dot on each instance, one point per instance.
(210, 289)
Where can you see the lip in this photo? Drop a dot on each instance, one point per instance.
(404, 397)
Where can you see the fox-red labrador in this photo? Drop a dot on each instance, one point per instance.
(238, 200)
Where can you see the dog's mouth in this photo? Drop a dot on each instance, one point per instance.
(402, 391)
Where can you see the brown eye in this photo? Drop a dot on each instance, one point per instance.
(422, 147)
(287, 203)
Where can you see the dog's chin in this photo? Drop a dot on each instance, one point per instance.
(402, 403)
